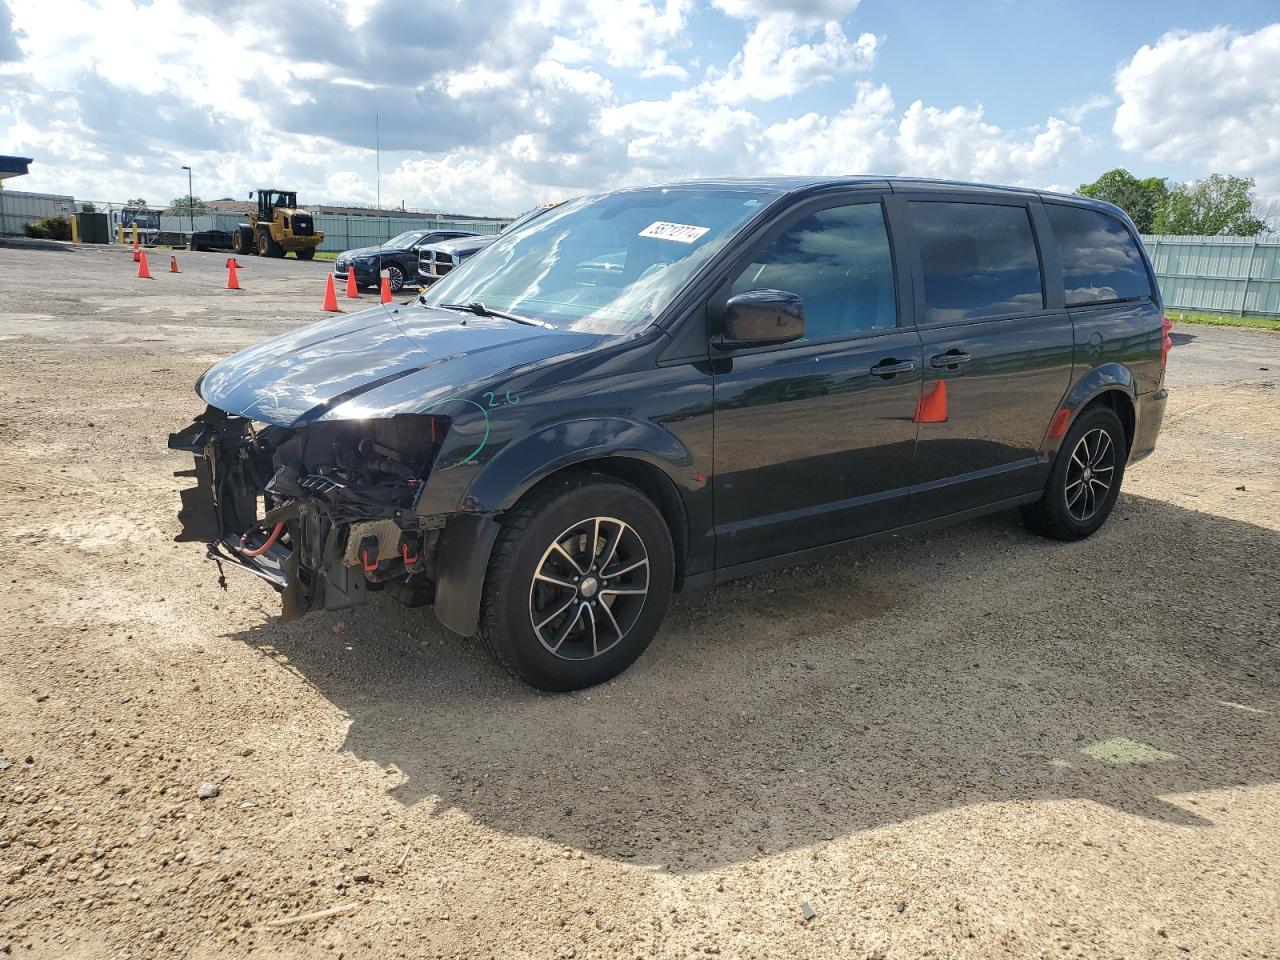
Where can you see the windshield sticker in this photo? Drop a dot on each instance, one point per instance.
(679, 232)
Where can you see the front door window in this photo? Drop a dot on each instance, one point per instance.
(839, 263)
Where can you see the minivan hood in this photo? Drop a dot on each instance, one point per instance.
(377, 363)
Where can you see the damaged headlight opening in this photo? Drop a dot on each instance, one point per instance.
(322, 512)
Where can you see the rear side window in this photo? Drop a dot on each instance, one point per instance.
(838, 261)
(979, 260)
(1101, 262)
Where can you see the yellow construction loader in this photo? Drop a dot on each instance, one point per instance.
(278, 227)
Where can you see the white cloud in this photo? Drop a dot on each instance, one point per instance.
(1211, 97)
(777, 62)
(869, 136)
(565, 50)
(1092, 104)
(812, 10)
(630, 34)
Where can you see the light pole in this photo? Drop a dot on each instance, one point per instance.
(191, 210)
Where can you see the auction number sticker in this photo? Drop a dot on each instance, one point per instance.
(679, 232)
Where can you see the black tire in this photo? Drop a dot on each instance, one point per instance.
(621, 624)
(1074, 504)
(268, 247)
(242, 242)
(306, 253)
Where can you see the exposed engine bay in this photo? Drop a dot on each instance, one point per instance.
(323, 512)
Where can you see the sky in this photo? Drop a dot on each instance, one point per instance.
(491, 106)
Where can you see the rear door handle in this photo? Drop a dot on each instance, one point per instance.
(952, 359)
(891, 367)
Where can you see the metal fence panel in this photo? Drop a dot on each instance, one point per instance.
(18, 207)
(1218, 274)
(346, 233)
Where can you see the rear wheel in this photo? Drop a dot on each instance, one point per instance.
(1084, 481)
(578, 584)
(242, 241)
(306, 253)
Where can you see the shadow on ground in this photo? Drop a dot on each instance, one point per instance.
(978, 664)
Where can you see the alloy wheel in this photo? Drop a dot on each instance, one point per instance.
(1090, 472)
(589, 588)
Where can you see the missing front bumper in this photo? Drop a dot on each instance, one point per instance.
(323, 513)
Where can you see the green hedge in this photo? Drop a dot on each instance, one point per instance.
(50, 228)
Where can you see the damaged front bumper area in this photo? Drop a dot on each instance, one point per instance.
(323, 512)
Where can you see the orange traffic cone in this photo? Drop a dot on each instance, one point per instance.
(932, 406)
(233, 282)
(173, 265)
(352, 290)
(143, 270)
(137, 254)
(330, 296)
(386, 290)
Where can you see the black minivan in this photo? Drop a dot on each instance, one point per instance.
(762, 372)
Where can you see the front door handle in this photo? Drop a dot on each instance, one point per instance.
(891, 367)
(952, 359)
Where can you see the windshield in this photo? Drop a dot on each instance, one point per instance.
(525, 217)
(405, 240)
(606, 264)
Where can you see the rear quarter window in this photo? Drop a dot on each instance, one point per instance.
(1101, 262)
(979, 260)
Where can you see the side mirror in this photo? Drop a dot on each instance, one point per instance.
(759, 317)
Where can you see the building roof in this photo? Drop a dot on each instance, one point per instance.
(14, 166)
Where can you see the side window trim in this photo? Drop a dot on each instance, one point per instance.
(1051, 279)
(901, 275)
(1046, 253)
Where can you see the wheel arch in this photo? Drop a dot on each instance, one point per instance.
(636, 452)
(655, 484)
(1122, 404)
(1109, 384)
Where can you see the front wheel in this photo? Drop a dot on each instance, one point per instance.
(1084, 481)
(578, 584)
(267, 247)
(306, 253)
(395, 276)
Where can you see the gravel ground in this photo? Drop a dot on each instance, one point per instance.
(971, 744)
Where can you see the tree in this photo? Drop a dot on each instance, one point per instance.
(88, 207)
(1217, 205)
(138, 202)
(1140, 199)
(188, 205)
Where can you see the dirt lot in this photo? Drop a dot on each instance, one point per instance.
(973, 744)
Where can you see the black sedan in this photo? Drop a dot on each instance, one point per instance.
(398, 256)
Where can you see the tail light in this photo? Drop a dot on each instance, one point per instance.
(1166, 342)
